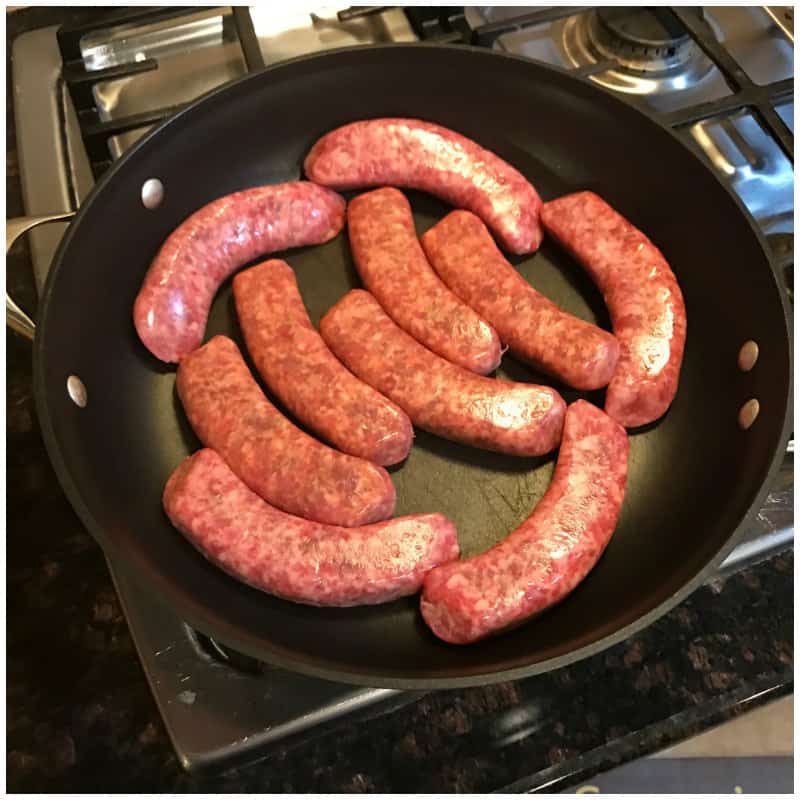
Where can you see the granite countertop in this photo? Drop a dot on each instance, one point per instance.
(81, 717)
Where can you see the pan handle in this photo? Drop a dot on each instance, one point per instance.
(16, 318)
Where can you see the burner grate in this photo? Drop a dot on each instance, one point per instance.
(747, 94)
(432, 23)
(445, 24)
(81, 82)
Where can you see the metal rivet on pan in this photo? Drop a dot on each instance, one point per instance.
(152, 193)
(748, 355)
(77, 391)
(748, 413)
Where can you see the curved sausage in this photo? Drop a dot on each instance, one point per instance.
(397, 274)
(421, 155)
(643, 298)
(536, 330)
(515, 418)
(292, 558)
(278, 461)
(551, 552)
(306, 377)
(171, 309)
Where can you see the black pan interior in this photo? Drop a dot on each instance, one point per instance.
(693, 475)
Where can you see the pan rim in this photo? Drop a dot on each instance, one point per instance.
(191, 610)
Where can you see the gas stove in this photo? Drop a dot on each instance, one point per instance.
(722, 77)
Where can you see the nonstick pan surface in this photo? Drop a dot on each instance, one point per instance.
(694, 475)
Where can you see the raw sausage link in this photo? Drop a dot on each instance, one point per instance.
(394, 269)
(643, 298)
(171, 309)
(278, 461)
(551, 552)
(303, 561)
(421, 155)
(515, 418)
(306, 377)
(462, 251)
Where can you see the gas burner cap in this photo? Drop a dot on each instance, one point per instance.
(647, 51)
(643, 40)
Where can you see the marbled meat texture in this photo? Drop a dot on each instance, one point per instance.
(293, 558)
(300, 370)
(644, 300)
(515, 418)
(415, 154)
(545, 558)
(394, 269)
(278, 461)
(171, 309)
(536, 330)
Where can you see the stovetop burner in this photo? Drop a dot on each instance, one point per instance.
(650, 40)
(648, 50)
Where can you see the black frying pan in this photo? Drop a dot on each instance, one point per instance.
(694, 478)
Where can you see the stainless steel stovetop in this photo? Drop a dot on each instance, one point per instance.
(222, 708)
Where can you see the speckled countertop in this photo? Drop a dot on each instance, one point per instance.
(81, 717)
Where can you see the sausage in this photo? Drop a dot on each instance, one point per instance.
(551, 552)
(415, 154)
(644, 301)
(536, 330)
(279, 462)
(306, 377)
(397, 274)
(171, 309)
(292, 558)
(516, 418)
